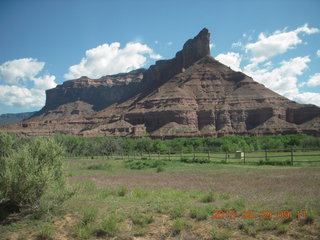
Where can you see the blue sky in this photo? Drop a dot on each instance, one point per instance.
(44, 43)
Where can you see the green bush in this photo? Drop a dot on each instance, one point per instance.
(109, 227)
(275, 163)
(46, 232)
(122, 191)
(159, 169)
(89, 215)
(194, 160)
(200, 213)
(176, 212)
(220, 234)
(32, 173)
(144, 163)
(6, 145)
(141, 219)
(179, 225)
(209, 197)
(103, 166)
(83, 232)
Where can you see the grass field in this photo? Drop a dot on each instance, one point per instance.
(154, 197)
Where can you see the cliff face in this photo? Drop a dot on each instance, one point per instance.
(100, 93)
(189, 95)
(210, 99)
(193, 50)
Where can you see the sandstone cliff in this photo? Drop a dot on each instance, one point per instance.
(191, 94)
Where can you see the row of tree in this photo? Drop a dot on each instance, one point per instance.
(78, 146)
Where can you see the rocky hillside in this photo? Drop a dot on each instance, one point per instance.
(191, 94)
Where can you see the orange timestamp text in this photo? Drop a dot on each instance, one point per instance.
(281, 214)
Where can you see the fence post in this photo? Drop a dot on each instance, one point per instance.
(149, 156)
(169, 156)
(180, 155)
(266, 154)
(209, 156)
(158, 155)
(128, 156)
(194, 154)
(226, 156)
(244, 157)
(291, 156)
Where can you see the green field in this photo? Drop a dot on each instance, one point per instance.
(178, 195)
(174, 200)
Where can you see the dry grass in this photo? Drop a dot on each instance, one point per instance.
(171, 197)
(266, 185)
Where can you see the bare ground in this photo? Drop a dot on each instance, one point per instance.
(273, 185)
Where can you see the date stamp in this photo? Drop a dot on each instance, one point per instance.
(251, 214)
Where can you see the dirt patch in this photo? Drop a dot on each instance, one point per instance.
(265, 185)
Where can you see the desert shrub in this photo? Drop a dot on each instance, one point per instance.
(179, 225)
(224, 196)
(208, 197)
(108, 227)
(103, 166)
(89, 215)
(249, 227)
(144, 163)
(274, 163)
(46, 232)
(141, 219)
(122, 191)
(6, 145)
(176, 212)
(83, 232)
(310, 216)
(160, 169)
(140, 193)
(220, 234)
(283, 228)
(32, 177)
(236, 205)
(200, 213)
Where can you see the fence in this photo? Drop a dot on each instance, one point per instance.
(271, 157)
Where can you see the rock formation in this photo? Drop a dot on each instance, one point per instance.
(14, 117)
(189, 95)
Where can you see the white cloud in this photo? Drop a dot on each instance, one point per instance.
(283, 79)
(22, 97)
(156, 56)
(313, 81)
(15, 71)
(277, 43)
(170, 43)
(308, 97)
(230, 59)
(111, 59)
(20, 85)
(318, 53)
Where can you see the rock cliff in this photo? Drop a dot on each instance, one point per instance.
(189, 95)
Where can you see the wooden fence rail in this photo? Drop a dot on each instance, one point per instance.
(249, 157)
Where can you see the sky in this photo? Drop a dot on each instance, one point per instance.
(44, 43)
